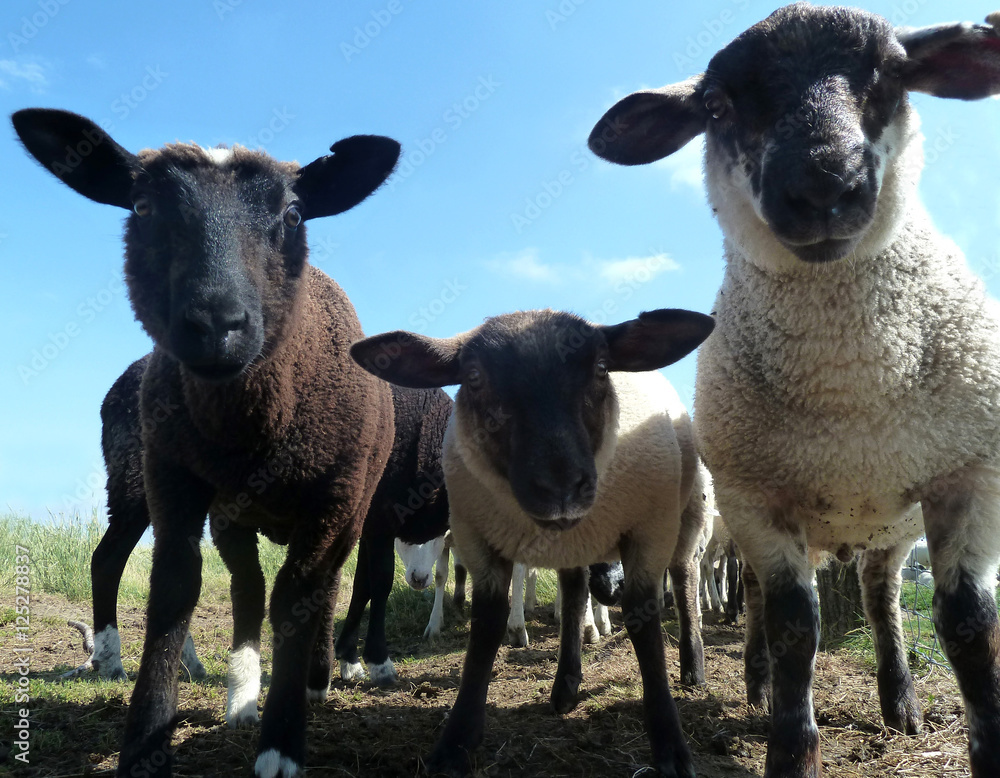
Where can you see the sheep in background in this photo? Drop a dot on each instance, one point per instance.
(557, 457)
(270, 425)
(855, 369)
(410, 504)
(419, 560)
(128, 518)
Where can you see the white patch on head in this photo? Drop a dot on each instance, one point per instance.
(243, 686)
(352, 671)
(419, 560)
(272, 764)
(190, 661)
(219, 155)
(108, 654)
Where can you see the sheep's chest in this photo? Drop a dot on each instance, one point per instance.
(845, 397)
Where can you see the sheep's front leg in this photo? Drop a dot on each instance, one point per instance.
(466, 721)
(963, 537)
(320, 665)
(301, 613)
(879, 573)
(791, 622)
(573, 583)
(178, 504)
(433, 630)
(641, 610)
(517, 631)
(238, 549)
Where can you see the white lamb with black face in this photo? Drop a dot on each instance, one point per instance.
(564, 449)
(855, 370)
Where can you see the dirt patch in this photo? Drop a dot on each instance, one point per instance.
(362, 730)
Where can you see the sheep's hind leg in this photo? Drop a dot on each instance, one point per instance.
(381, 564)
(757, 665)
(238, 548)
(879, 573)
(684, 577)
(963, 537)
(517, 631)
(302, 602)
(569, 676)
(463, 730)
(346, 647)
(433, 629)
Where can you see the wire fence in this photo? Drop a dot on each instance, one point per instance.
(918, 625)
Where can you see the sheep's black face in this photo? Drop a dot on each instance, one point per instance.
(534, 400)
(798, 110)
(214, 248)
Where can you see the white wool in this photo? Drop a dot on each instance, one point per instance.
(835, 396)
(243, 686)
(638, 490)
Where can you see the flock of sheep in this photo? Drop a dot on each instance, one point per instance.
(849, 372)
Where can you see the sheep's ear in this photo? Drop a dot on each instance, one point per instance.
(339, 181)
(650, 125)
(959, 60)
(79, 153)
(656, 339)
(408, 359)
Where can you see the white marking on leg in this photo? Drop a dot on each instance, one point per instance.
(108, 654)
(433, 630)
(352, 671)
(318, 695)
(383, 674)
(189, 659)
(517, 632)
(243, 682)
(590, 634)
(273, 764)
(601, 619)
(530, 584)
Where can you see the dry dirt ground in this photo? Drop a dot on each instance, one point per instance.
(362, 730)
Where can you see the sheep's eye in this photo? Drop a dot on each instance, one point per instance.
(474, 378)
(292, 217)
(716, 103)
(142, 206)
(602, 368)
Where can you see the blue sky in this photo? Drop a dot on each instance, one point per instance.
(497, 204)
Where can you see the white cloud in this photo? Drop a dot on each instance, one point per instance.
(526, 265)
(633, 269)
(685, 166)
(32, 73)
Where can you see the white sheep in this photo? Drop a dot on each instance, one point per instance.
(554, 460)
(419, 559)
(855, 369)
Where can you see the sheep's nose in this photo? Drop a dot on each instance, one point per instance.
(571, 491)
(214, 324)
(419, 582)
(821, 192)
